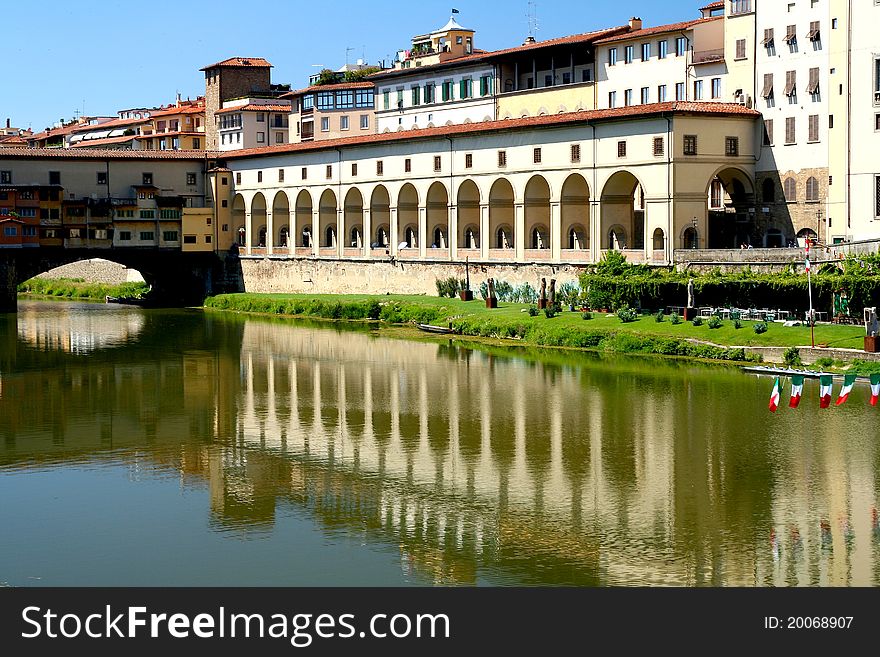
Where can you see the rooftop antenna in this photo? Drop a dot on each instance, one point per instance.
(347, 50)
(532, 16)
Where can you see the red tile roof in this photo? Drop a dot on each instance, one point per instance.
(13, 140)
(583, 116)
(103, 154)
(107, 141)
(55, 132)
(109, 125)
(476, 58)
(713, 5)
(660, 29)
(329, 87)
(251, 62)
(256, 108)
(183, 109)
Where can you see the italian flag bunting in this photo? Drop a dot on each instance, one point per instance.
(825, 383)
(774, 397)
(797, 389)
(848, 382)
(875, 389)
(807, 257)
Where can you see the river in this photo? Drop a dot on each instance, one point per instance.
(184, 448)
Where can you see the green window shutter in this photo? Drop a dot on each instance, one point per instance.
(462, 92)
(386, 96)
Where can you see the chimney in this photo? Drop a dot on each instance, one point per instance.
(635, 23)
(8, 122)
(529, 39)
(178, 99)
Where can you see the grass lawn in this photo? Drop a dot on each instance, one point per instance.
(443, 310)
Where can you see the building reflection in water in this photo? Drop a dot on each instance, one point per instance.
(481, 465)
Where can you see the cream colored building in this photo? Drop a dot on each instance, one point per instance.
(557, 188)
(253, 123)
(332, 111)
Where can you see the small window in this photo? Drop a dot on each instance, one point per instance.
(575, 153)
(740, 49)
(261, 137)
(329, 171)
(790, 130)
(147, 178)
(224, 203)
(731, 146)
(813, 125)
(281, 175)
(612, 56)
(469, 160)
(191, 179)
(259, 176)
(536, 156)
(147, 236)
(325, 124)
(690, 144)
(343, 123)
(407, 165)
(628, 55)
(621, 149)
(304, 173)
(502, 158)
(354, 169)
(6, 178)
(101, 178)
(55, 178)
(365, 121)
(658, 146)
(438, 163)
(238, 177)
(768, 132)
(124, 235)
(789, 188)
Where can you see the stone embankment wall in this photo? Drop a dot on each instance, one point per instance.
(810, 356)
(95, 271)
(400, 277)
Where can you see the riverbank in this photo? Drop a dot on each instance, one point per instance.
(77, 288)
(601, 332)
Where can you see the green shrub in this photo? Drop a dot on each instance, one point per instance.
(586, 315)
(659, 317)
(697, 321)
(760, 327)
(714, 322)
(824, 362)
(792, 357)
(737, 324)
(627, 315)
(675, 319)
(550, 312)
(533, 311)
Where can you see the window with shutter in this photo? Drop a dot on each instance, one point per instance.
(768, 132)
(790, 130)
(575, 152)
(789, 187)
(812, 189)
(813, 83)
(767, 91)
(621, 149)
(658, 146)
(740, 48)
(791, 34)
(690, 144)
(813, 34)
(536, 156)
(814, 128)
(877, 196)
(790, 83)
(768, 38)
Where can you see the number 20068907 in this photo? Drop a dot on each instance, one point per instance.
(808, 622)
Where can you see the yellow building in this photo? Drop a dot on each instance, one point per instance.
(177, 127)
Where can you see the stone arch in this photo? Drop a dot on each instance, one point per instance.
(690, 238)
(281, 217)
(468, 203)
(258, 220)
(380, 215)
(437, 203)
(302, 232)
(730, 208)
(575, 213)
(658, 240)
(501, 215)
(353, 213)
(537, 212)
(238, 220)
(623, 214)
(408, 217)
(327, 230)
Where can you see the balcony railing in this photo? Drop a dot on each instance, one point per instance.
(709, 56)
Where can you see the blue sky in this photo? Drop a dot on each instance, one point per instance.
(104, 55)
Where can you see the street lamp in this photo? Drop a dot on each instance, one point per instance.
(818, 222)
(694, 222)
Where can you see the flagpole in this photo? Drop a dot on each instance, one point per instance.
(810, 293)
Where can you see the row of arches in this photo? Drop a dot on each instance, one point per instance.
(496, 222)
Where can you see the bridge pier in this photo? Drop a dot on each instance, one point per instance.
(8, 284)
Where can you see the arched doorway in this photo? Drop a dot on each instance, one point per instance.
(238, 220)
(354, 219)
(380, 215)
(303, 228)
(468, 215)
(327, 220)
(280, 217)
(258, 220)
(501, 216)
(408, 218)
(690, 238)
(575, 214)
(805, 234)
(623, 212)
(730, 208)
(537, 213)
(283, 237)
(438, 218)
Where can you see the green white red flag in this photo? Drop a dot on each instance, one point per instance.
(797, 389)
(807, 256)
(875, 389)
(825, 384)
(774, 397)
(848, 382)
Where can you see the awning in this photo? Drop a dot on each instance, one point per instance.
(813, 34)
